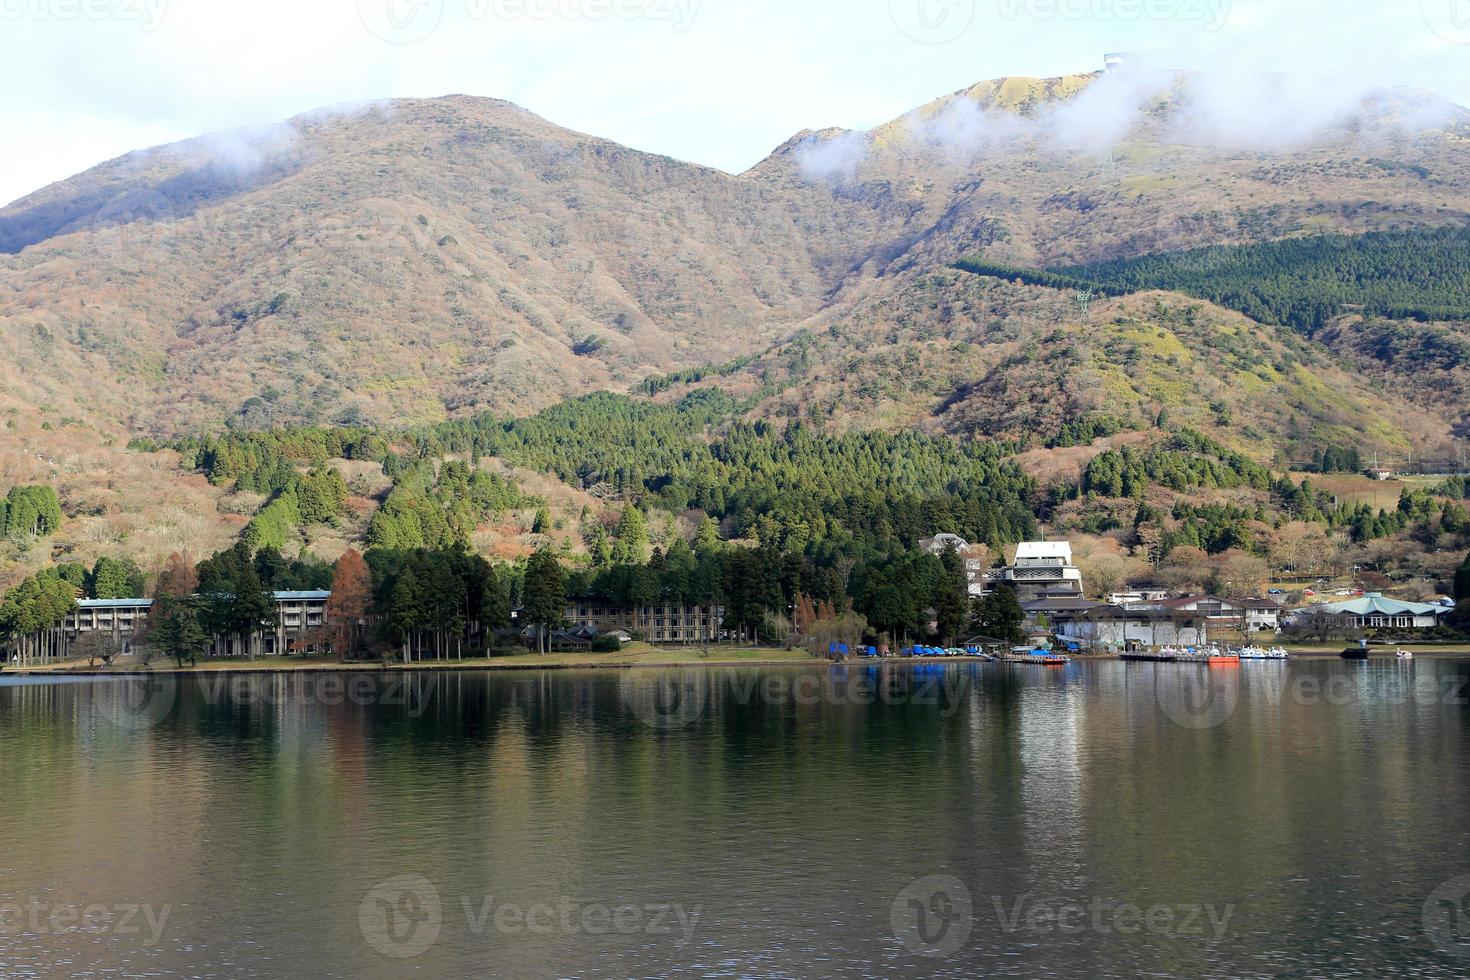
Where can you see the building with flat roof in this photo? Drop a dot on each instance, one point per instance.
(1095, 625)
(1253, 615)
(298, 616)
(656, 622)
(1042, 570)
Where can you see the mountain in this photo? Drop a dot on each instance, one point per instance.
(424, 258)
(399, 262)
(414, 261)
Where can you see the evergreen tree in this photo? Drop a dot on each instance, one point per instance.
(1462, 582)
(632, 544)
(952, 597)
(175, 628)
(544, 595)
(707, 537)
(999, 614)
(542, 523)
(112, 578)
(30, 512)
(496, 604)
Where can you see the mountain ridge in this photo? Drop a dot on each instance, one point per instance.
(416, 259)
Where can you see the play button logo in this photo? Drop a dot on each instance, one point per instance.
(1450, 19)
(933, 21)
(400, 21)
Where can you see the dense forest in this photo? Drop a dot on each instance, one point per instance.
(1302, 283)
(762, 518)
(29, 512)
(791, 488)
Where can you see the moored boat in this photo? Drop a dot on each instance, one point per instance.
(1262, 653)
(1164, 655)
(1042, 658)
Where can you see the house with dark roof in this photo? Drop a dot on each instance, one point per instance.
(1251, 615)
(1093, 625)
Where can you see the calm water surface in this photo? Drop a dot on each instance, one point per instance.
(1109, 819)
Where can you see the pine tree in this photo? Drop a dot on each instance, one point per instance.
(707, 537)
(632, 543)
(952, 597)
(495, 604)
(545, 597)
(999, 615)
(175, 628)
(111, 578)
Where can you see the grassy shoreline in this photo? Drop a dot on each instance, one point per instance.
(640, 656)
(632, 657)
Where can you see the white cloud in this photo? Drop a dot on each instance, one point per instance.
(738, 81)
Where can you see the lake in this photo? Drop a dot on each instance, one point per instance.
(1102, 820)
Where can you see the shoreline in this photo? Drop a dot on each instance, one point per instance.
(527, 663)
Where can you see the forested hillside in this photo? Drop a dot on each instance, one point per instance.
(1303, 283)
(449, 328)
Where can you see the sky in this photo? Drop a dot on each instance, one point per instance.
(717, 82)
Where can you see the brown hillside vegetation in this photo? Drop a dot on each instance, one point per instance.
(970, 355)
(422, 258)
(417, 260)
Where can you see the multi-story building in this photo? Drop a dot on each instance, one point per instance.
(1042, 570)
(658, 622)
(119, 620)
(1099, 624)
(1227, 615)
(974, 557)
(298, 614)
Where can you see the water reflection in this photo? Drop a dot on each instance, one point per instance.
(790, 808)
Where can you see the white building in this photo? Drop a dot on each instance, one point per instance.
(297, 614)
(1374, 611)
(1253, 615)
(1097, 624)
(1042, 570)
